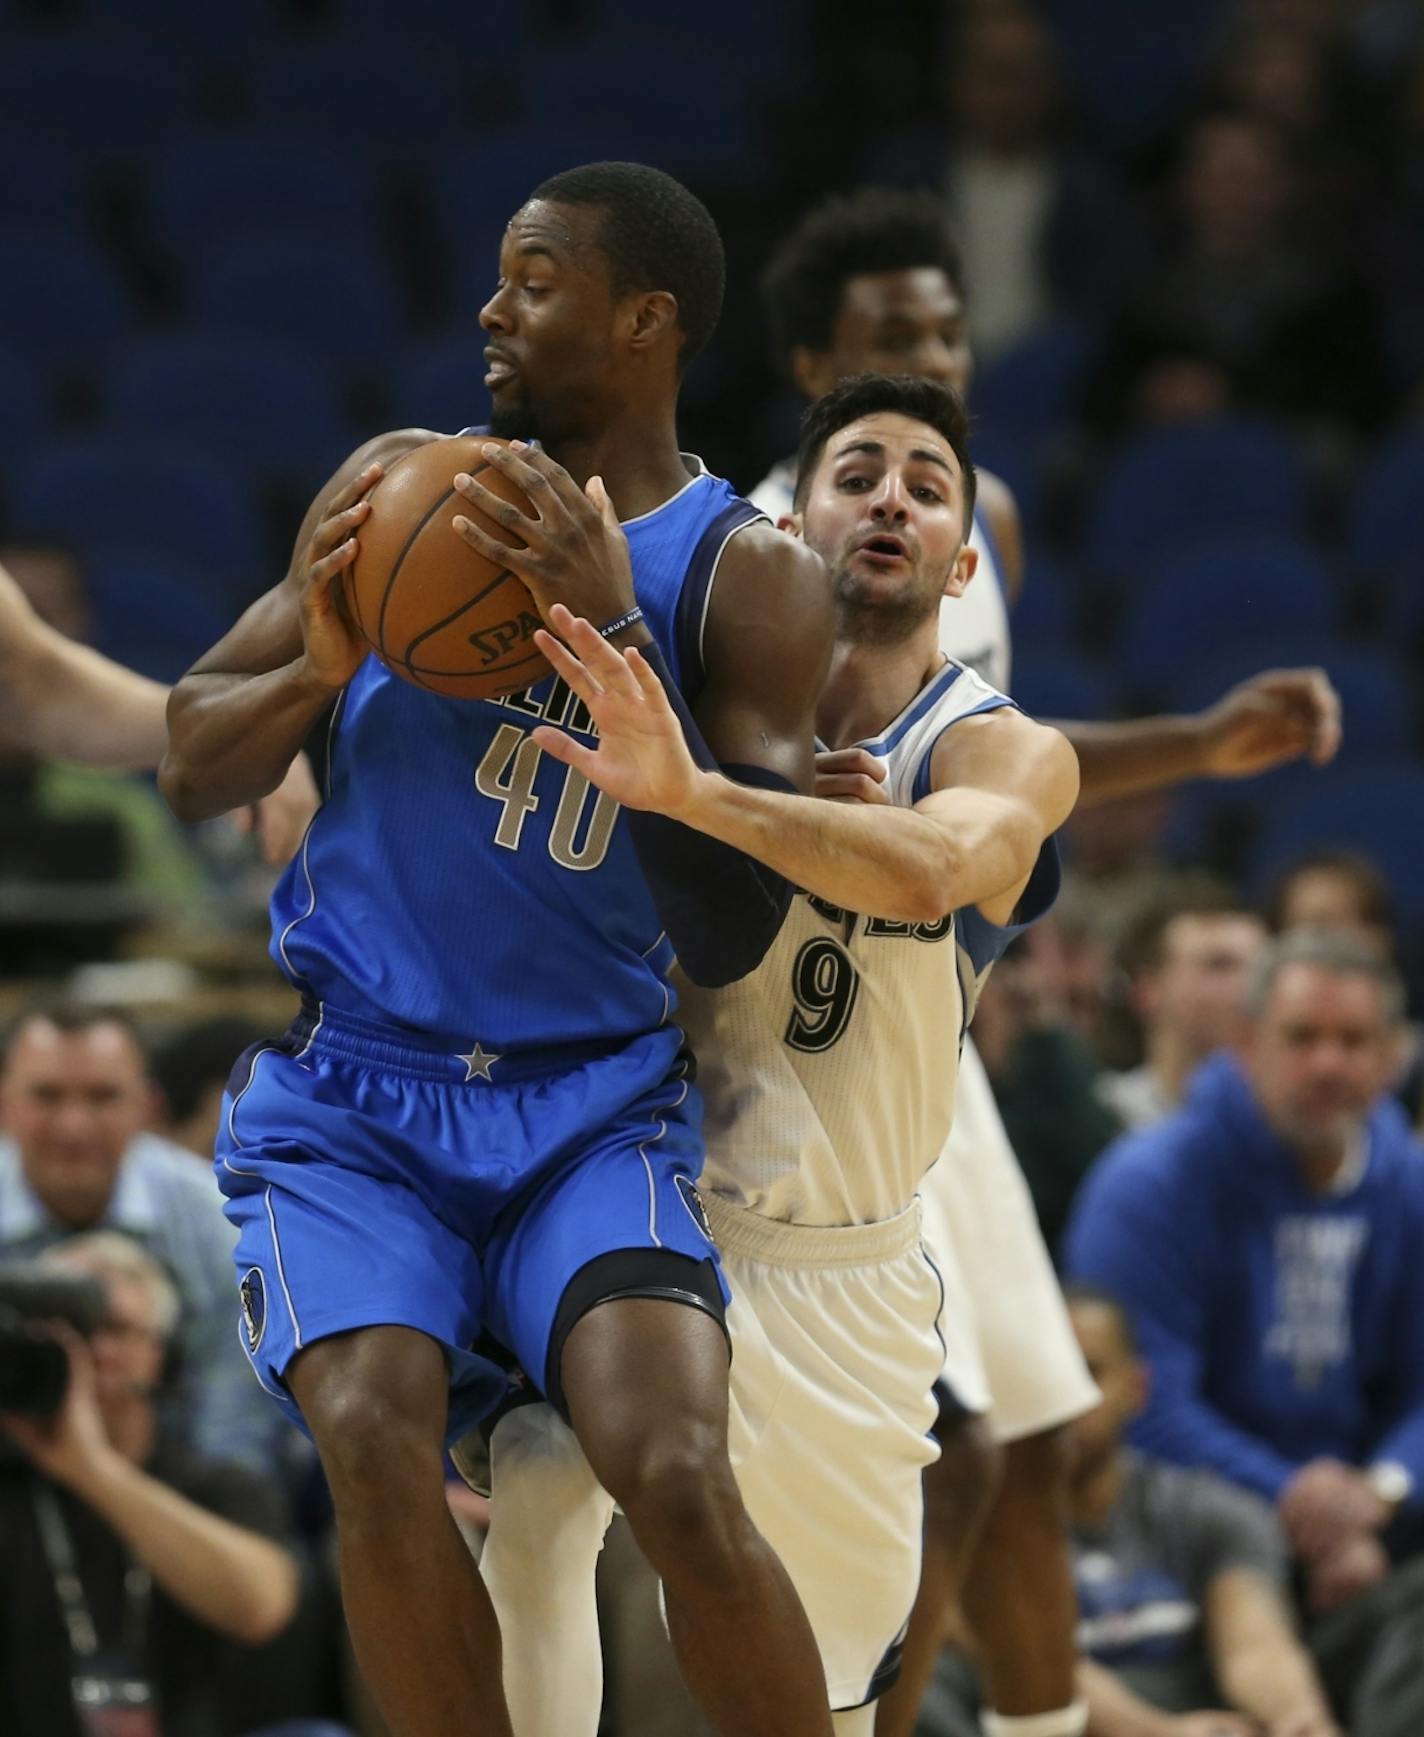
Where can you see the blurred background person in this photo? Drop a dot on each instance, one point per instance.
(139, 1575)
(190, 1071)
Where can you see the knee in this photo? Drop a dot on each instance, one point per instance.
(376, 1436)
(675, 1484)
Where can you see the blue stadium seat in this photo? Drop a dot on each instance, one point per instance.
(1063, 685)
(102, 95)
(1044, 615)
(1246, 589)
(58, 297)
(157, 614)
(1027, 393)
(327, 293)
(217, 186)
(440, 384)
(264, 406)
(392, 95)
(24, 406)
(41, 185)
(157, 498)
(1376, 690)
(1375, 809)
(1175, 487)
(1387, 526)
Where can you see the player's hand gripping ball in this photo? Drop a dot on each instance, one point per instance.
(434, 610)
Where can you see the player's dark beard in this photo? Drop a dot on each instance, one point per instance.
(885, 621)
(516, 421)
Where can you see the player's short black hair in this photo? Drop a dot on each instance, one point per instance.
(849, 235)
(657, 236)
(927, 401)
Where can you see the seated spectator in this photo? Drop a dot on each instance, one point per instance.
(1266, 1242)
(1185, 961)
(1182, 1578)
(131, 1568)
(191, 1072)
(75, 1099)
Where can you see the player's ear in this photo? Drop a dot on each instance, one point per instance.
(654, 316)
(965, 563)
(794, 526)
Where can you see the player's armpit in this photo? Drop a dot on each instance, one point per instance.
(1001, 785)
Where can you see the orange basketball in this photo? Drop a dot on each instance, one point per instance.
(433, 609)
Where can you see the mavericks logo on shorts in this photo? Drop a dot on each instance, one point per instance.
(692, 1200)
(254, 1307)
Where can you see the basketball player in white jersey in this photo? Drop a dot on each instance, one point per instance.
(828, 1074)
(67, 701)
(872, 281)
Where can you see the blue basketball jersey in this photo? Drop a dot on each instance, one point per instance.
(459, 883)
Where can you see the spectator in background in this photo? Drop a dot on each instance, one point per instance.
(75, 1099)
(191, 1072)
(1243, 309)
(1266, 1243)
(1186, 962)
(126, 1558)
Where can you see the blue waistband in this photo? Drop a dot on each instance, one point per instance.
(325, 1030)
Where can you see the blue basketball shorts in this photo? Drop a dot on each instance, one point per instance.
(373, 1182)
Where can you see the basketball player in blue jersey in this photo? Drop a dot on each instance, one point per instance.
(871, 281)
(483, 1123)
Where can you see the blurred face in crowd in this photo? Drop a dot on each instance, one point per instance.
(1332, 899)
(1320, 1055)
(1121, 1377)
(1196, 991)
(892, 322)
(1235, 187)
(1005, 86)
(72, 1102)
(127, 1346)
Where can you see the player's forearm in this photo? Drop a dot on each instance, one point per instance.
(1126, 759)
(232, 737)
(1113, 1709)
(879, 861)
(1270, 1677)
(68, 702)
(233, 1580)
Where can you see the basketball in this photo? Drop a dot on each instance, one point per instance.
(433, 609)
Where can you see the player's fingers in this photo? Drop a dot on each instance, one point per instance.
(644, 674)
(851, 760)
(542, 478)
(598, 655)
(334, 530)
(355, 490)
(848, 787)
(597, 492)
(524, 562)
(567, 665)
(322, 572)
(493, 507)
(559, 745)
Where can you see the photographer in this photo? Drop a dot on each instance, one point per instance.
(75, 1103)
(128, 1565)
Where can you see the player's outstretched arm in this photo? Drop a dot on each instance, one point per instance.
(1276, 716)
(1001, 785)
(238, 718)
(67, 701)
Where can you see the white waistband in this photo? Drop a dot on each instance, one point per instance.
(739, 1231)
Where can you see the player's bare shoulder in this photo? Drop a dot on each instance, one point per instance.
(1011, 754)
(772, 583)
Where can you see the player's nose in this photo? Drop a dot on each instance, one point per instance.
(891, 500)
(494, 315)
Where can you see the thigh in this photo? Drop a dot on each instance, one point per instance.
(832, 1399)
(620, 1219)
(324, 1248)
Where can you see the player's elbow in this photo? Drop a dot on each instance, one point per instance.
(181, 789)
(270, 1602)
(926, 890)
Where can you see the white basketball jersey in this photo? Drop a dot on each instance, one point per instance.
(974, 628)
(828, 1074)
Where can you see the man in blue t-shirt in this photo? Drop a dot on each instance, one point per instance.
(1268, 1244)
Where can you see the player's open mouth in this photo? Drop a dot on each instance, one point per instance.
(883, 551)
(500, 371)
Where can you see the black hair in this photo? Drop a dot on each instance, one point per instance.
(1143, 943)
(1372, 894)
(656, 235)
(938, 406)
(72, 1019)
(849, 235)
(200, 1056)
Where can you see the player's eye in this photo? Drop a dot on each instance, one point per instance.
(926, 493)
(854, 484)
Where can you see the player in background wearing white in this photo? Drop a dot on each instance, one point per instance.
(69, 702)
(828, 1073)
(871, 281)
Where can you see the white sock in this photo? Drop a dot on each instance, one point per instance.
(1070, 1721)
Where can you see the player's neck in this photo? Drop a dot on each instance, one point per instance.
(869, 685)
(637, 456)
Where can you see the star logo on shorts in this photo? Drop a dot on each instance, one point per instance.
(478, 1064)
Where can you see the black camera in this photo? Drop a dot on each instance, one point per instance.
(34, 1370)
